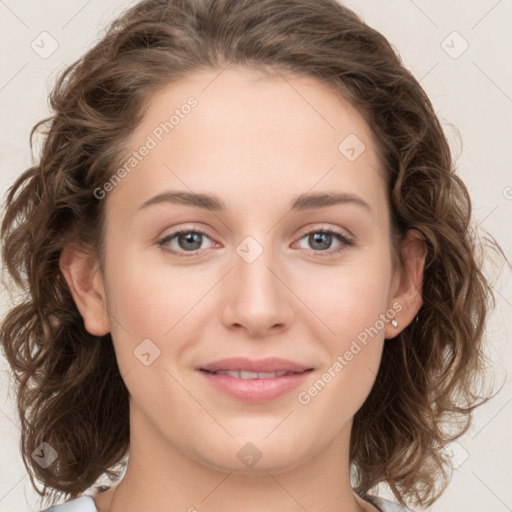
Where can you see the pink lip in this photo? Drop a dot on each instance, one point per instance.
(255, 390)
(269, 364)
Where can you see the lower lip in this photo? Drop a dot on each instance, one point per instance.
(255, 390)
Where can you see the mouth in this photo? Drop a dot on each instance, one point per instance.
(254, 380)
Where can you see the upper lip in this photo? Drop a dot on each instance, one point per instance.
(270, 364)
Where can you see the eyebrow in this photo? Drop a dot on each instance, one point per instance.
(214, 203)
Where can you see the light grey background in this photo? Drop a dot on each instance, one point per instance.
(471, 91)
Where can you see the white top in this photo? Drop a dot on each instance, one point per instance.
(86, 504)
(83, 504)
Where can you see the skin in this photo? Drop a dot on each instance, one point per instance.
(256, 141)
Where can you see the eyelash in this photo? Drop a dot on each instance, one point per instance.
(322, 254)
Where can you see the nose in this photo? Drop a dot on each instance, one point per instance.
(257, 297)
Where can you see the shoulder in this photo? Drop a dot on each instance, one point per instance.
(82, 504)
(385, 505)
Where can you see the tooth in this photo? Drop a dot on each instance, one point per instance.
(248, 375)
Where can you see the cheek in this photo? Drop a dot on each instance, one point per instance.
(352, 297)
(354, 305)
(150, 297)
(355, 308)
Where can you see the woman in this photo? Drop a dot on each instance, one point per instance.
(328, 315)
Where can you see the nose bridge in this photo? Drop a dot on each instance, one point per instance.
(257, 298)
(254, 260)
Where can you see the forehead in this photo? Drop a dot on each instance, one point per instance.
(264, 103)
(259, 132)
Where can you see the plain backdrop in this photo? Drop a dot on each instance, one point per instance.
(461, 53)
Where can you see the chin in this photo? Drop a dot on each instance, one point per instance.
(261, 456)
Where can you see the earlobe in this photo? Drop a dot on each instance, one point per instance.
(86, 285)
(408, 283)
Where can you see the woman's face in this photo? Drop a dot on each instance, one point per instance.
(254, 275)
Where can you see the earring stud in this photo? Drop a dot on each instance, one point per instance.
(394, 323)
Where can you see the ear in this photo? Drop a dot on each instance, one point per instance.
(85, 282)
(407, 284)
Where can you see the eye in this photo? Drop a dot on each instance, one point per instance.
(321, 240)
(188, 240)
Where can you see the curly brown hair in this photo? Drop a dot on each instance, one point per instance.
(69, 390)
